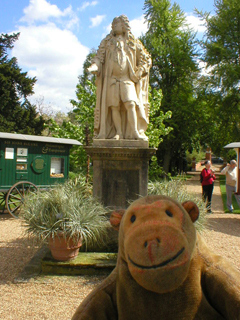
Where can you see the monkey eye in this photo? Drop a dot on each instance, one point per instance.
(133, 218)
(169, 213)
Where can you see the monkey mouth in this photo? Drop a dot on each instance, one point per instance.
(162, 264)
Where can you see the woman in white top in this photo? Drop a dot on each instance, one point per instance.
(231, 182)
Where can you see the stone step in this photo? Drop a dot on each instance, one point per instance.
(86, 263)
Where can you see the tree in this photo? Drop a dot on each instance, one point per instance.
(87, 76)
(17, 114)
(173, 48)
(221, 54)
(222, 44)
(156, 128)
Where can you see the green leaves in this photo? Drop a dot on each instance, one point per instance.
(17, 114)
(222, 43)
(156, 128)
(173, 49)
(220, 87)
(84, 108)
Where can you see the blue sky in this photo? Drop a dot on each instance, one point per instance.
(56, 36)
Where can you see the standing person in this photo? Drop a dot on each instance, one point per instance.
(231, 182)
(122, 67)
(208, 178)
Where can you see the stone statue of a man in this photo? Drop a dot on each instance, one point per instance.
(122, 67)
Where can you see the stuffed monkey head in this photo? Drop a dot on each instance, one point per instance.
(156, 240)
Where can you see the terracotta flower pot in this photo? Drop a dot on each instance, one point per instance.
(63, 249)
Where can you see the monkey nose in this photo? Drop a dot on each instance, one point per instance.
(152, 247)
(152, 242)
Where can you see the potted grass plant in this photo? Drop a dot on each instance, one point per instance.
(65, 216)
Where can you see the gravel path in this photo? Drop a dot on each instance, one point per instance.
(42, 297)
(57, 297)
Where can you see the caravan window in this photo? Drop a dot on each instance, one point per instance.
(57, 168)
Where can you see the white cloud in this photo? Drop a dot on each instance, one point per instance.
(88, 4)
(70, 24)
(55, 57)
(196, 23)
(41, 10)
(49, 51)
(138, 26)
(96, 21)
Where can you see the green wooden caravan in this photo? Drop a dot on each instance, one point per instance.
(30, 162)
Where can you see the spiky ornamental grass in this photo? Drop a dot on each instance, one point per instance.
(79, 184)
(177, 190)
(68, 209)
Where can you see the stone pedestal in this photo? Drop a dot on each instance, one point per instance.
(120, 173)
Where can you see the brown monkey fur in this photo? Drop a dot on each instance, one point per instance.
(164, 269)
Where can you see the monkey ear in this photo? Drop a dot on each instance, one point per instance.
(192, 209)
(116, 217)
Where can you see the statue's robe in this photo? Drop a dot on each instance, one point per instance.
(136, 56)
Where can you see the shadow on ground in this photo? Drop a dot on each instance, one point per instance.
(230, 226)
(14, 256)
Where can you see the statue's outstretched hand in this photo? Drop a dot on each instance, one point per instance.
(93, 68)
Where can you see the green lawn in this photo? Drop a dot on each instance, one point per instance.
(224, 197)
(182, 177)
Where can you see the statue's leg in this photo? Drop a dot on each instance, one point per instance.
(132, 119)
(116, 117)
